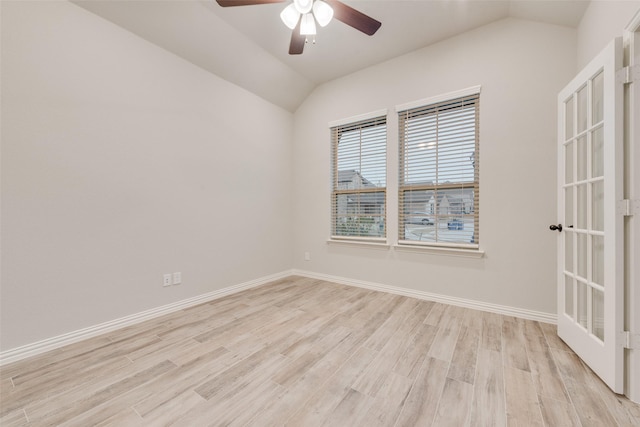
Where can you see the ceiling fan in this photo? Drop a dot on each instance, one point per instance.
(301, 17)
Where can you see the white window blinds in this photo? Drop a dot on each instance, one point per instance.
(438, 182)
(359, 179)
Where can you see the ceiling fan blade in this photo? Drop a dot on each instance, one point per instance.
(297, 41)
(228, 3)
(354, 18)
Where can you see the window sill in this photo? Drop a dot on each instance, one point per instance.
(441, 250)
(374, 244)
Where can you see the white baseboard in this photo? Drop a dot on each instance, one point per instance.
(19, 353)
(48, 344)
(461, 302)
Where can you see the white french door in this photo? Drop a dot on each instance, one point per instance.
(590, 248)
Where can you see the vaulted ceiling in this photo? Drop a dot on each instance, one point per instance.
(248, 45)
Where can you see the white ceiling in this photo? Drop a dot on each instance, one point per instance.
(249, 45)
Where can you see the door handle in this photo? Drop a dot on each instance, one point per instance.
(556, 227)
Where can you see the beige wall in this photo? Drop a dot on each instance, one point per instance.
(121, 162)
(521, 66)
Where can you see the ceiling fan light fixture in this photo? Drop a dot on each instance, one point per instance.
(323, 12)
(303, 14)
(290, 16)
(308, 25)
(303, 6)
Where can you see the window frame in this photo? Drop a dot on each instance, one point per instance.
(380, 116)
(434, 247)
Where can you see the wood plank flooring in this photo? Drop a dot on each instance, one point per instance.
(302, 352)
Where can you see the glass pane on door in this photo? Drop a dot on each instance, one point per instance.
(597, 262)
(568, 206)
(598, 98)
(581, 162)
(568, 252)
(568, 167)
(582, 206)
(568, 117)
(597, 206)
(582, 305)
(597, 156)
(582, 255)
(598, 314)
(568, 295)
(582, 109)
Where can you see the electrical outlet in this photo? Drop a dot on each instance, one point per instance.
(307, 256)
(166, 281)
(177, 278)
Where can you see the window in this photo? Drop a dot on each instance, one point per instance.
(438, 180)
(359, 179)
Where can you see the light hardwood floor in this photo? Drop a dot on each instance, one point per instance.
(303, 352)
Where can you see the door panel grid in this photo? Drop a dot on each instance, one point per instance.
(584, 205)
(590, 250)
